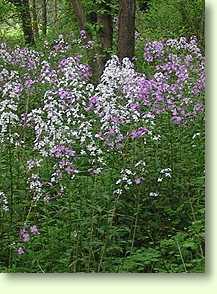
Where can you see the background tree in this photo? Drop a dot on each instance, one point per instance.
(44, 17)
(25, 16)
(55, 4)
(35, 19)
(105, 25)
(79, 13)
(99, 16)
(126, 28)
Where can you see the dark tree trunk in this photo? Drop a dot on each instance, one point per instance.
(44, 17)
(126, 29)
(106, 33)
(25, 15)
(34, 18)
(106, 36)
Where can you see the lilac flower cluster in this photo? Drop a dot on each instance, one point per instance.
(23, 57)
(116, 102)
(84, 41)
(25, 236)
(138, 133)
(59, 46)
(60, 151)
(179, 78)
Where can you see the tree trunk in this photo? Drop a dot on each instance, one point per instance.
(24, 9)
(126, 29)
(106, 36)
(34, 19)
(106, 33)
(44, 17)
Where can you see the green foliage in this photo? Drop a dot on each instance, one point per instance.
(174, 18)
(180, 253)
(9, 23)
(142, 260)
(7, 10)
(101, 7)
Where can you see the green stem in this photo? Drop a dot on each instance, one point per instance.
(180, 252)
(135, 227)
(11, 199)
(110, 221)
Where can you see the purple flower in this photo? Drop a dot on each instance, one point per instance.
(138, 181)
(65, 95)
(198, 108)
(83, 34)
(176, 119)
(24, 235)
(20, 251)
(70, 169)
(60, 151)
(29, 83)
(145, 87)
(153, 50)
(138, 133)
(85, 71)
(34, 230)
(134, 106)
(92, 102)
(67, 166)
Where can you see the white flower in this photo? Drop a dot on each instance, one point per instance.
(118, 182)
(153, 194)
(195, 135)
(157, 137)
(4, 202)
(118, 191)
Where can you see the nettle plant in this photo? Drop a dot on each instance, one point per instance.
(63, 127)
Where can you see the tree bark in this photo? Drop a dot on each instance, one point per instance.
(34, 19)
(106, 36)
(44, 17)
(126, 28)
(23, 7)
(106, 33)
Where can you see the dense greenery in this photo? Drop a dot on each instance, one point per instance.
(102, 172)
